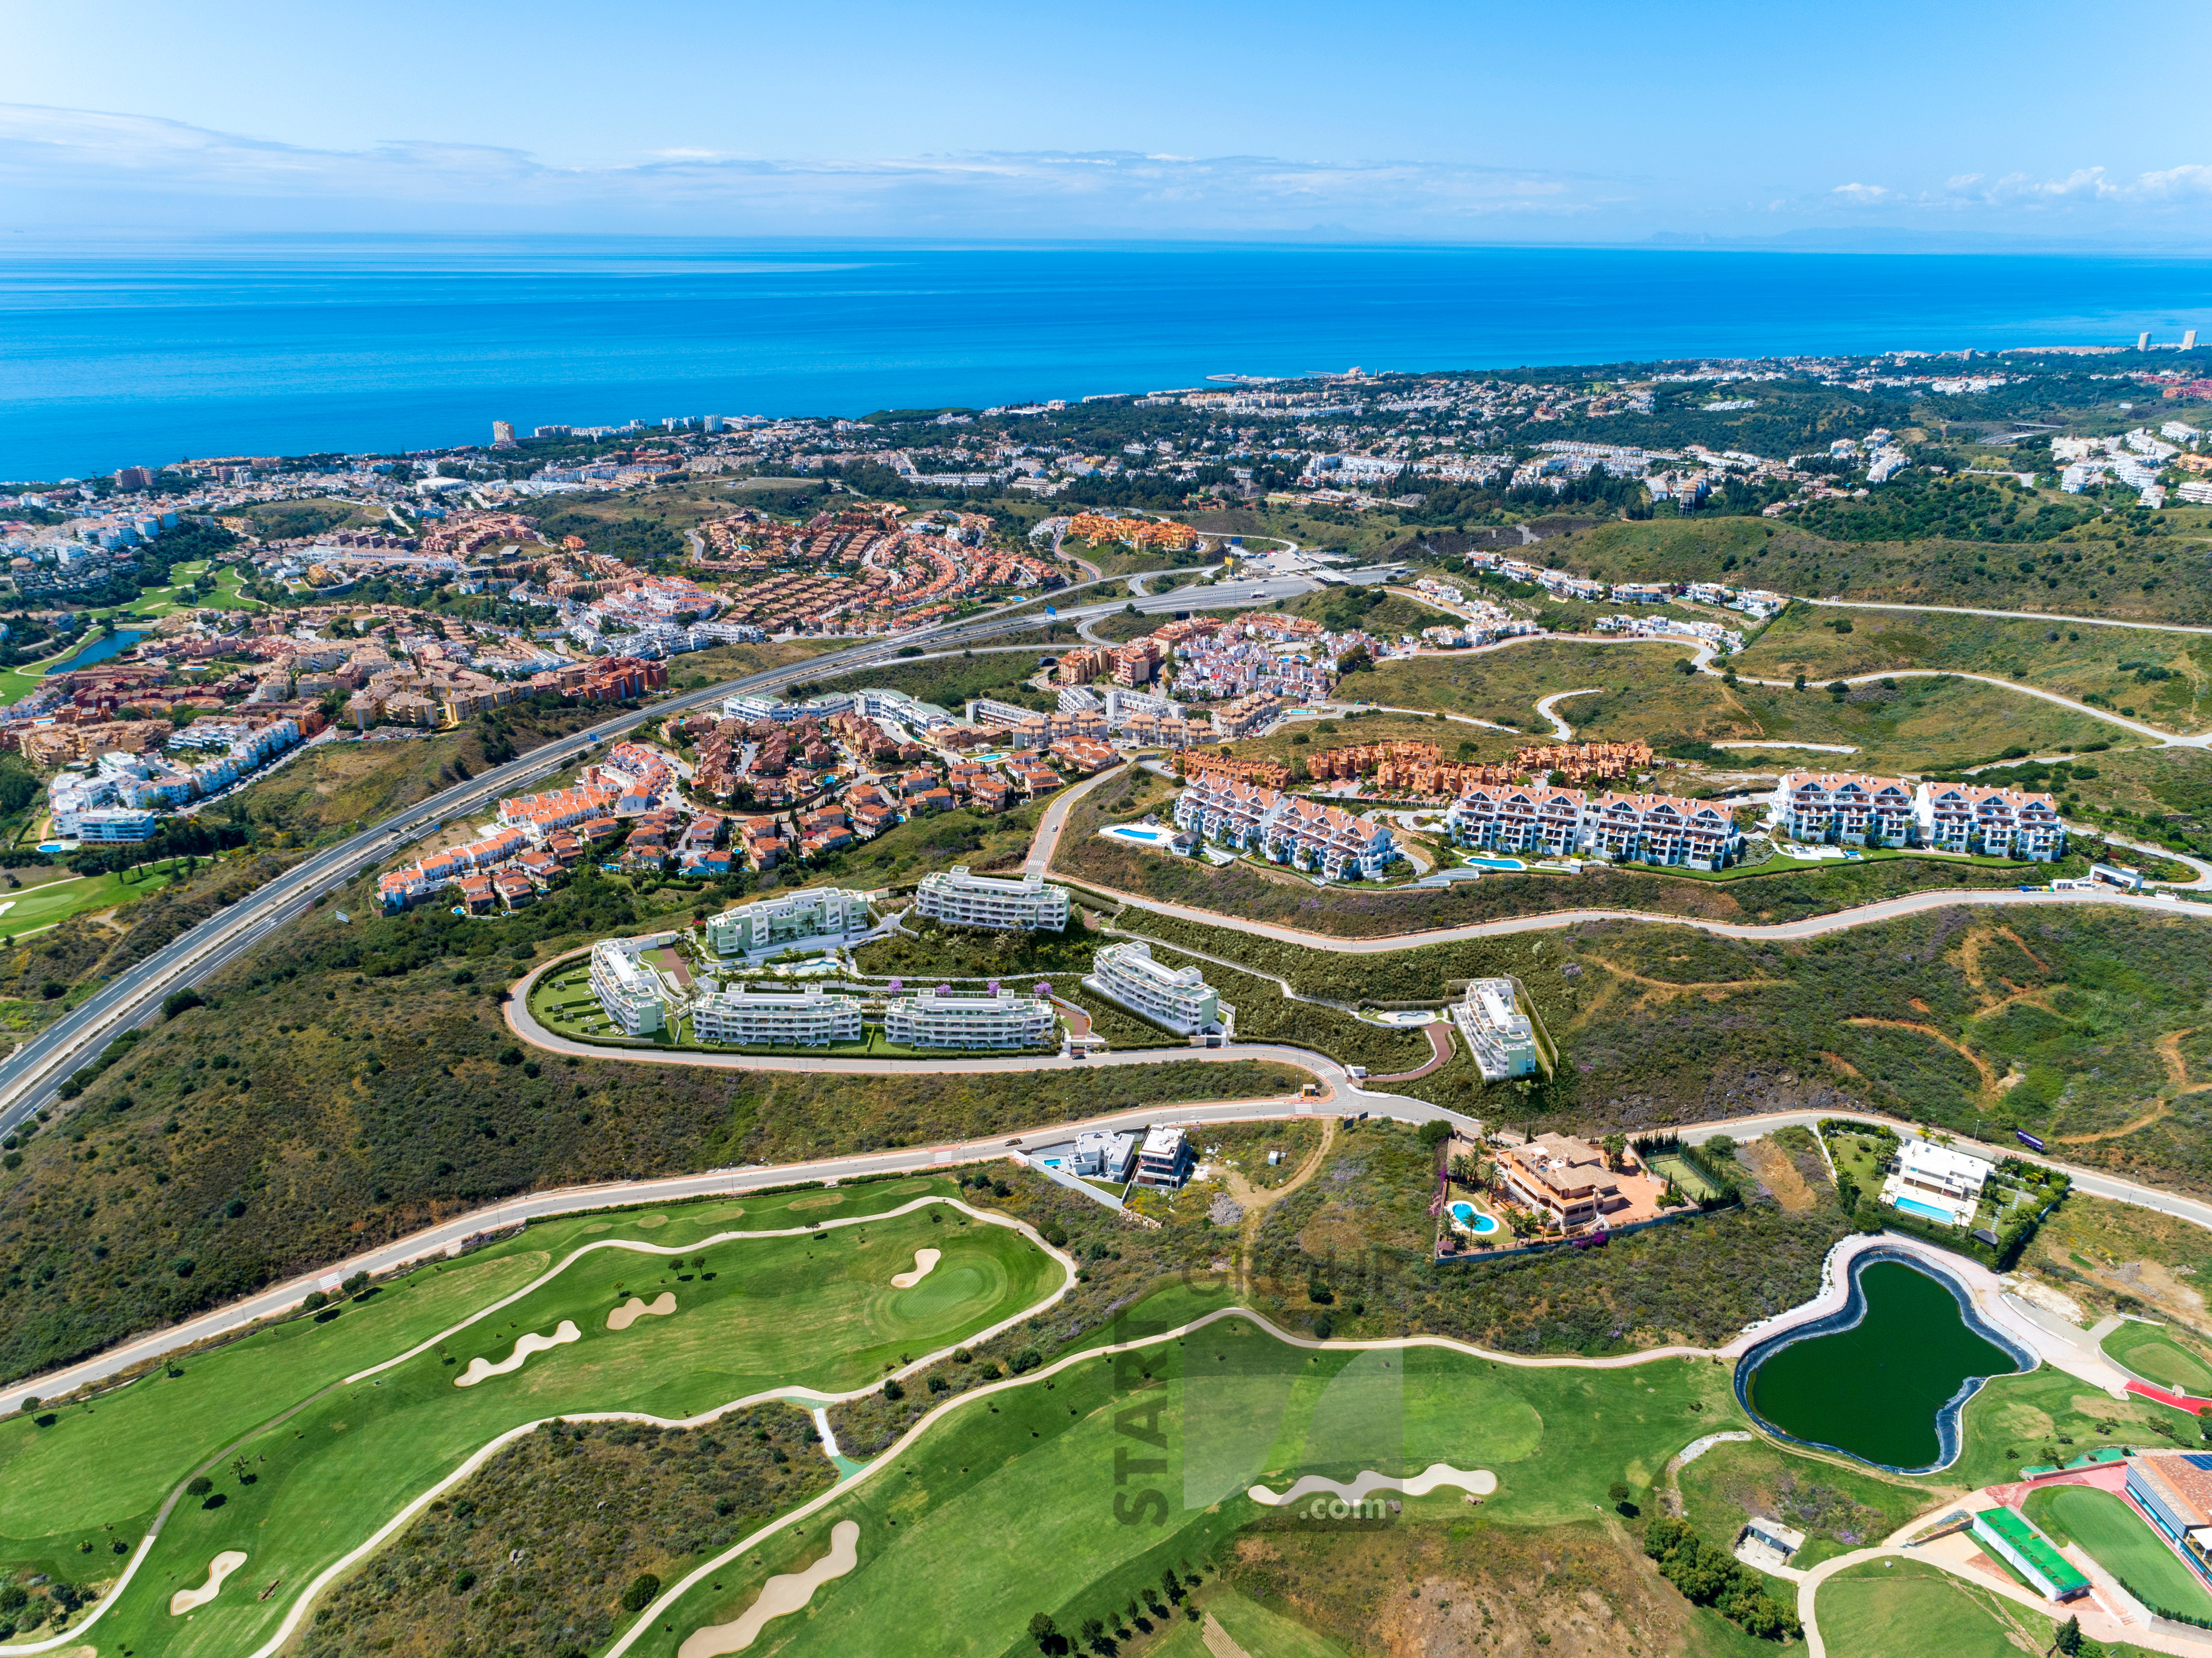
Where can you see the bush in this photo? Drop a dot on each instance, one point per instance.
(1712, 1578)
(180, 1001)
(893, 1391)
(640, 1593)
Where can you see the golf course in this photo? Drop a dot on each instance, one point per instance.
(314, 1434)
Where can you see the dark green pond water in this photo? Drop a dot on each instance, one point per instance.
(1874, 1390)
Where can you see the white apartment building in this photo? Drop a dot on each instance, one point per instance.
(773, 1018)
(1502, 1038)
(1175, 997)
(936, 1019)
(1306, 835)
(1999, 821)
(819, 916)
(959, 899)
(1538, 820)
(1103, 1155)
(628, 991)
(1847, 808)
(1661, 828)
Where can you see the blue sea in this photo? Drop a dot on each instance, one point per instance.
(118, 358)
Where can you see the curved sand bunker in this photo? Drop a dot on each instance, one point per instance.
(923, 1261)
(221, 1567)
(1480, 1481)
(633, 1309)
(779, 1595)
(482, 1368)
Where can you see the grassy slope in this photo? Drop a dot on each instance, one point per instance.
(1838, 1509)
(1923, 724)
(2078, 662)
(1933, 572)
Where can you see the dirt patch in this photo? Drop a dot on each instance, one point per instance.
(1778, 1174)
(1841, 1064)
(1989, 1075)
(826, 1200)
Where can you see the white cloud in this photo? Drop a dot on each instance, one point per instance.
(1865, 195)
(56, 162)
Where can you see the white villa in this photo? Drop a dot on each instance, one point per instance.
(1502, 1038)
(959, 899)
(936, 1019)
(1177, 997)
(1938, 1182)
(817, 916)
(1103, 1155)
(631, 991)
(776, 1018)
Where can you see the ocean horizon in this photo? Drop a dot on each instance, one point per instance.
(131, 355)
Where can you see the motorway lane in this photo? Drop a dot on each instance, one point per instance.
(29, 1079)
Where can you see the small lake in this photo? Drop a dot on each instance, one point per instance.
(100, 649)
(1878, 1389)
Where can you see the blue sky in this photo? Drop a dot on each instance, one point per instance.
(1597, 122)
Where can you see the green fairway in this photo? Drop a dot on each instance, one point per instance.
(1011, 1504)
(1906, 1609)
(813, 1309)
(2152, 1354)
(45, 905)
(2123, 1543)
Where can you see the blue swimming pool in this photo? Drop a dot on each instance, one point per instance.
(1474, 1219)
(1142, 834)
(1496, 863)
(1925, 1211)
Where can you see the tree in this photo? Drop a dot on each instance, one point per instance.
(1434, 1133)
(640, 1593)
(2067, 1636)
(198, 1485)
(1616, 1148)
(1046, 1633)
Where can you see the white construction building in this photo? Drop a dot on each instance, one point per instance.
(1177, 997)
(631, 991)
(816, 917)
(959, 899)
(937, 1019)
(776, 1018)
(1502, 1038)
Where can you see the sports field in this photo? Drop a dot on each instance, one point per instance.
(2152, 1354)
(327, 1461)
(2123, 1543)
(1906, 1609)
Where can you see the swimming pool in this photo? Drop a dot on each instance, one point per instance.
(1926, 1210)
(1474, 1219)
(1496, 863)
(1142, 834)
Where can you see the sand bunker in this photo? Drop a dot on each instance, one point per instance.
(218, 1569)
(779, 1595)
(1481, 1481)
(923, 1261)
(481, 1369)
(633, 1309)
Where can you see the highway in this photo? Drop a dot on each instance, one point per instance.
(29, 1078)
